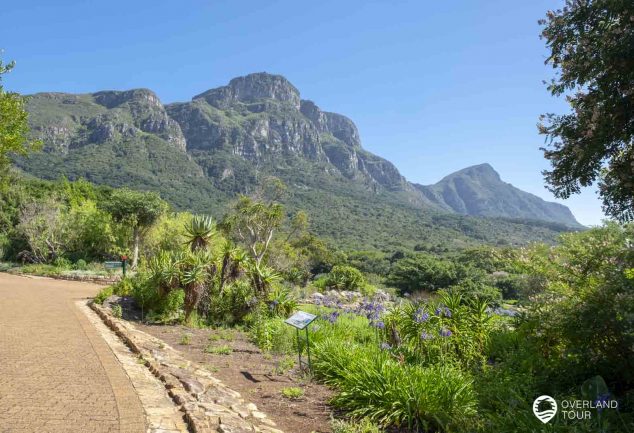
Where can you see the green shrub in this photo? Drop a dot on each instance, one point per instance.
(292, 393)
(171, 307)
(62, 263)
(271, 334)
(186, 339)
(218, 350)
(371, 384)
(80, 265)
(103, 294)
(282, 302)
(343, 277)
(363, 426)
(117, 311)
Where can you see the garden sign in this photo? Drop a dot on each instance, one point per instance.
(299, 321)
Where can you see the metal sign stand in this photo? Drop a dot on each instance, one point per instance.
(299, 321)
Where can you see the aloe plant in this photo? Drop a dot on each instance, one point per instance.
(200, 230)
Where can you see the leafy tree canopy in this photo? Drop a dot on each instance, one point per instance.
(14, 127)
(137, 208)
(592, 47)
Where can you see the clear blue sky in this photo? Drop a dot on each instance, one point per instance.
(434, 86)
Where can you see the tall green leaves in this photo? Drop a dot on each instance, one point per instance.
(372, 384)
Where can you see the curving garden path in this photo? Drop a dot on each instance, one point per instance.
(57, 375)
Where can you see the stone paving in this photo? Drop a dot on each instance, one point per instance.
(162, 416)
(57, 374)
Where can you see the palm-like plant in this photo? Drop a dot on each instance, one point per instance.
(263, 277)
(199, 232)
(233, 261)
(194, 278)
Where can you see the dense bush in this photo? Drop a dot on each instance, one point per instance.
(342, 277)
(423, 272)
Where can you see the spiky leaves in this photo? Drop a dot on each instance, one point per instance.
(199, 231)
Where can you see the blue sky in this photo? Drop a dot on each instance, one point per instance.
(434, 86)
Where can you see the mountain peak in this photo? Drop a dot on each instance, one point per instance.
(252, 87)
(482, 171)
(479, 190)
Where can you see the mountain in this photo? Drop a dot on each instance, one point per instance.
(478, 190)
(200, 154)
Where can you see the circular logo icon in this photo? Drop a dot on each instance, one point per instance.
(545, 408)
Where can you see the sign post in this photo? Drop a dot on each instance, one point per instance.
(299, 321)
(117, 265)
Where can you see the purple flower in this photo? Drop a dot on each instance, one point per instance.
(385, 346)
(425, 336)
(421, 316)
(437, 312)
(332, 317)
(447, 312)
(445, 332)
(378, 324)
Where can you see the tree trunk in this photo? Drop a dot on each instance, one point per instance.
(135, 251)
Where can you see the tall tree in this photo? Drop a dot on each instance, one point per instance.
(592, 48)
(14, 127)
(140, 210)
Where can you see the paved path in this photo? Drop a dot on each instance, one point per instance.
(57, 375)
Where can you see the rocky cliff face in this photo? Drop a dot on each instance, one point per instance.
(64, 121)
(224, 139)
(261, 117)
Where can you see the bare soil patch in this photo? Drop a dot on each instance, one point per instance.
(259, 377)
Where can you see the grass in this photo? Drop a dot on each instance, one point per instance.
(186, 339)
(363, 426)
(222, 334)
(292, 393)
(117, 311)
(285, 364)
(218, 350)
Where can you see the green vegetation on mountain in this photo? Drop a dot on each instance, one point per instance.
(201, 154)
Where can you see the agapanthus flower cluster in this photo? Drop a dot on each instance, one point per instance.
(332, 317)
(379, 324)
(421, 316)
(370, 309)
(442, 311)
(444, 332)
(426, 336)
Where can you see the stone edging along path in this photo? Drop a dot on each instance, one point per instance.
(208, 405)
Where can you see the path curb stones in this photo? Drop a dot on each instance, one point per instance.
(209, 406)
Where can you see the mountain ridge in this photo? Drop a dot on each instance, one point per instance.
(479, 190)
(202, 152)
